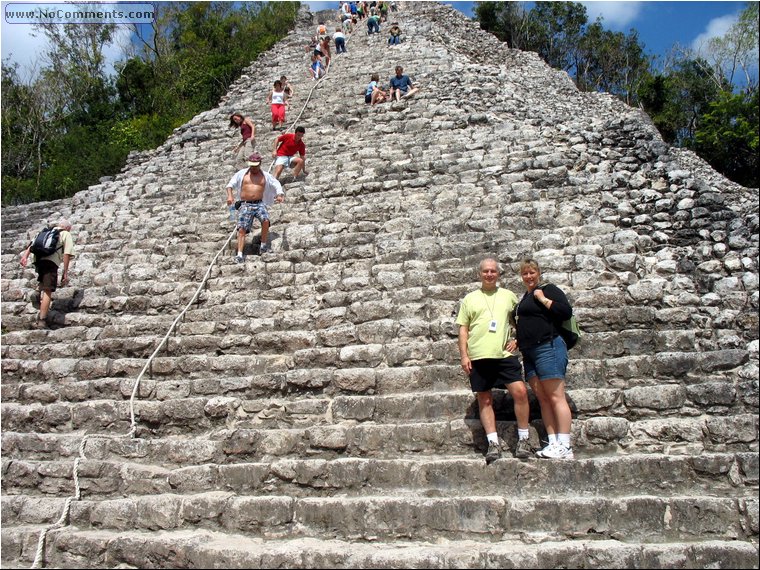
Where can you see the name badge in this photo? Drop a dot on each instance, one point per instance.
(492, 326)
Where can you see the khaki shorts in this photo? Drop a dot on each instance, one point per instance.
(47, 274)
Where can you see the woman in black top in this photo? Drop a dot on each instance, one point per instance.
(538, 316)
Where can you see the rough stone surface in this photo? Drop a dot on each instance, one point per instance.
(308, 409)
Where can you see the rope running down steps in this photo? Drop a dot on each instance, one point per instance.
(62, 521)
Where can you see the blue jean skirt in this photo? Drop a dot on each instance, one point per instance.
(547, 360)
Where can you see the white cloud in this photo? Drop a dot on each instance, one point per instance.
(20, 46)
(616, 15)
(715, 28)
(319, 6)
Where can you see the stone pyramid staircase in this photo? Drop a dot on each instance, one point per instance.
(308, 410)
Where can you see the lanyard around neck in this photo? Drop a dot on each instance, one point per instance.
(485, 298)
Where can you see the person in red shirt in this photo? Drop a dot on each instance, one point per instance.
(286, 149)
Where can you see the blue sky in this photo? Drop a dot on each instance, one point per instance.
(660, 25)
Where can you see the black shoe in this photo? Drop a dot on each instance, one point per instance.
(523, 450)
(493, 453)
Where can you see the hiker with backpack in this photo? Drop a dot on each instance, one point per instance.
(51, 248)
(539, 316)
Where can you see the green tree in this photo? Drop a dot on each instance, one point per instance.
(557, 31)
(76, 68)
(677, 98)
(508, 21)
(612, 62)
(737, 50)
(727, 136)
(31, 116)
(88, 121)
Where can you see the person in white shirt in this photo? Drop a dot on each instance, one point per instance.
(256, 190)
(340, 41)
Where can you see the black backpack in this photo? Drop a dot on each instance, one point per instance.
(46, 242)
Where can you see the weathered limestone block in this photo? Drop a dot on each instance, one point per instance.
(712, 394)
(309, 378)
(739, 428)
(332, 317)
(378, 331)
(675, 365)
(185, 411)
(57, 368)
(202, 507)
(119, 514)
(723, 359)
(241, 478)
(93, 368)
(221, 406)
(420, 437)
(605, 429)
(370, 354)
(655, 397)
(355, 380)
(329, 437)
(171, 389)
(595, 400)
(280, 442)
(315, 357)
(662, 431)
(647, 290)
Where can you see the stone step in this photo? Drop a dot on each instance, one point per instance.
(313, 381)
(171, 377)
(640, 517)
(198, 414)
(190, 366)
(204, 548)
(343, 307)
(591, 437)
(513, 152)
(707, 474)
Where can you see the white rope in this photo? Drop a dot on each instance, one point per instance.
(62, 521)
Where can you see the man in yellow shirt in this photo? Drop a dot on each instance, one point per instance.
(485, 327)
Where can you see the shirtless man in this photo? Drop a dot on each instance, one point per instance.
(256, 190)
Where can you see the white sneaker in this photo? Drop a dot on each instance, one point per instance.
(558, 451)
(540, 452)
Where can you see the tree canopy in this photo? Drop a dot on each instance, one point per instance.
(703, 101)
(74, 123)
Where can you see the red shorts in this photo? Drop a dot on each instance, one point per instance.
(278, 113)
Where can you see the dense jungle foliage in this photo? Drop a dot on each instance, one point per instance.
(710, 107)
(74, 122)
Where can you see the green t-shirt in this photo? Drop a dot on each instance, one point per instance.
(477, 311)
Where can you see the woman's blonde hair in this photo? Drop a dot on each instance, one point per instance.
(528, 262)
